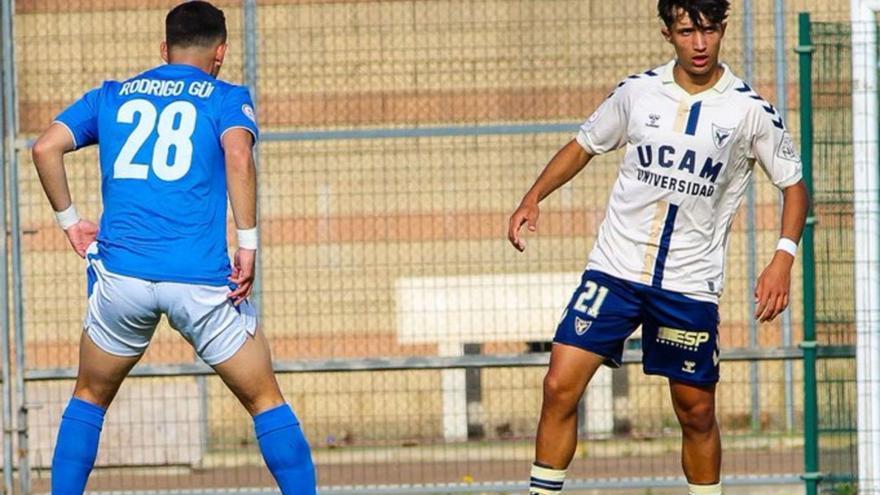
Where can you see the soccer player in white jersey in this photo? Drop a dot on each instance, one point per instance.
(174, 141)
(693, 133)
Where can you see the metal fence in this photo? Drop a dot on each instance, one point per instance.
(847, 288)
(835, 264)
(411, 340)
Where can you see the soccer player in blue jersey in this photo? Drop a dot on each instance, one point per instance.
(174, 142)
(693, 134)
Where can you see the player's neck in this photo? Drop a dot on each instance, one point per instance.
(697, 83)
(197, 62)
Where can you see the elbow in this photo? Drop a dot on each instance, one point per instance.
(239, 162)
(39, 150)
(43, 149)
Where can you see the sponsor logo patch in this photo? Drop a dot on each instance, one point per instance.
(248, 112)
(787, 150)
(689, 366)
(684, 339)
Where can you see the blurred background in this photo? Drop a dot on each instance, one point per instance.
(409, 336)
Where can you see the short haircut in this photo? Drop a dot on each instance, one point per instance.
(714, 11)
(195, 24)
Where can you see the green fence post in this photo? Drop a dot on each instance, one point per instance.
(811, 474)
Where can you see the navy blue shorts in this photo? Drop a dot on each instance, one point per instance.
(679, 334)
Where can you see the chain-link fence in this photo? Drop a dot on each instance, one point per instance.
(410, 338)
(835, 247)
(848, 256)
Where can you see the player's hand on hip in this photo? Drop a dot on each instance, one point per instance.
(526, 214)
(771, 292)
(243, 269)
(81, 235)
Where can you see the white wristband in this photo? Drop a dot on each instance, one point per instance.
(67, 218)
(787, 245)
(248, 238)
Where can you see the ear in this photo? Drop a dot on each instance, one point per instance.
(723, 28)
(163, 50)
(220, 54)
(667, 35)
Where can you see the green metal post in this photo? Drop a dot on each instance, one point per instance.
(811, 475)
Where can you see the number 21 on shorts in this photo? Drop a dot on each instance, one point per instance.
(590, 300)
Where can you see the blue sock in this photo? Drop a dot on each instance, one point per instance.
(286, 450)
(76, 447)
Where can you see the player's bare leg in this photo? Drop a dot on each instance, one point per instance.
(249, 375)
(100, 373)
(701, 438)
(76, 447)
(571, 369)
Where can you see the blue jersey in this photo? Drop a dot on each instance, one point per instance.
(163, 172)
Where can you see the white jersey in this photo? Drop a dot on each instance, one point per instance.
(688, 162)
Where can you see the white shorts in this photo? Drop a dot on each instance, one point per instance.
(123, 313)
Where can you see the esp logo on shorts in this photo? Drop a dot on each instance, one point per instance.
(685, 339)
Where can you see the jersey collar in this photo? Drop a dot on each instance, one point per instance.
(185, 69)
(720, 87)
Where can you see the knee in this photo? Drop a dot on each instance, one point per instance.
(256, 405)
(262, 399)
(560, 393)
(94, 394)
(698, 418)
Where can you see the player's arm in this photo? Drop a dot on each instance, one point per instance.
(604, 131)
(773, 147)
(772, 289)
(48, 155)
(241, 179)
(570, 160)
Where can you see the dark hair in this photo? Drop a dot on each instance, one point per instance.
(195, 23)
(715, 11)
